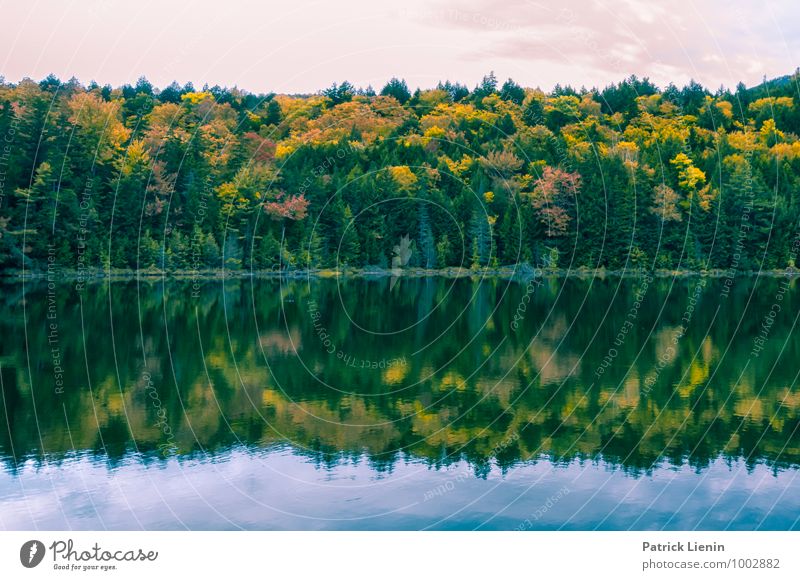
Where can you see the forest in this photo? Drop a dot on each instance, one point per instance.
(631, 176)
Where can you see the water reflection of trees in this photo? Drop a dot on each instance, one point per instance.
(230, 369)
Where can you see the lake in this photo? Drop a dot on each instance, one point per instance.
(401, 403)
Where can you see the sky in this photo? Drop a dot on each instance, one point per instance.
(302, 46)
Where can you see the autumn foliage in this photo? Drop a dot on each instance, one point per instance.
(180, 178)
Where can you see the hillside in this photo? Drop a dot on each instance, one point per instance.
(628, 176)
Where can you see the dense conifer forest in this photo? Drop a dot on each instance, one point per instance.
(630, 176)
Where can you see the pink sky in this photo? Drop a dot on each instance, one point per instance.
(304, 45)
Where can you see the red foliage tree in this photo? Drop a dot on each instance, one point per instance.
(283, 207)
(293, 207)
(553, 196)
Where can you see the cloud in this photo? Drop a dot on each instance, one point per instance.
(714, 42)
(306, 45)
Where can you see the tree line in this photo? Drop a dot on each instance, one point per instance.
(629, 176)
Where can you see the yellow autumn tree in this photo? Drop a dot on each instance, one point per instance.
(403, 177)
(98, 123)
(692, 180)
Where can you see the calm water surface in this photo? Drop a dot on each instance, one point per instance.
(401, 404)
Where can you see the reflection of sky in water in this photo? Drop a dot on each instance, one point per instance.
(245, 382)
(278, 490)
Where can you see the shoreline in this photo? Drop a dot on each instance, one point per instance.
(522, 271)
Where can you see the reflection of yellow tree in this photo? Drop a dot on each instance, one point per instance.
(530, 399)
